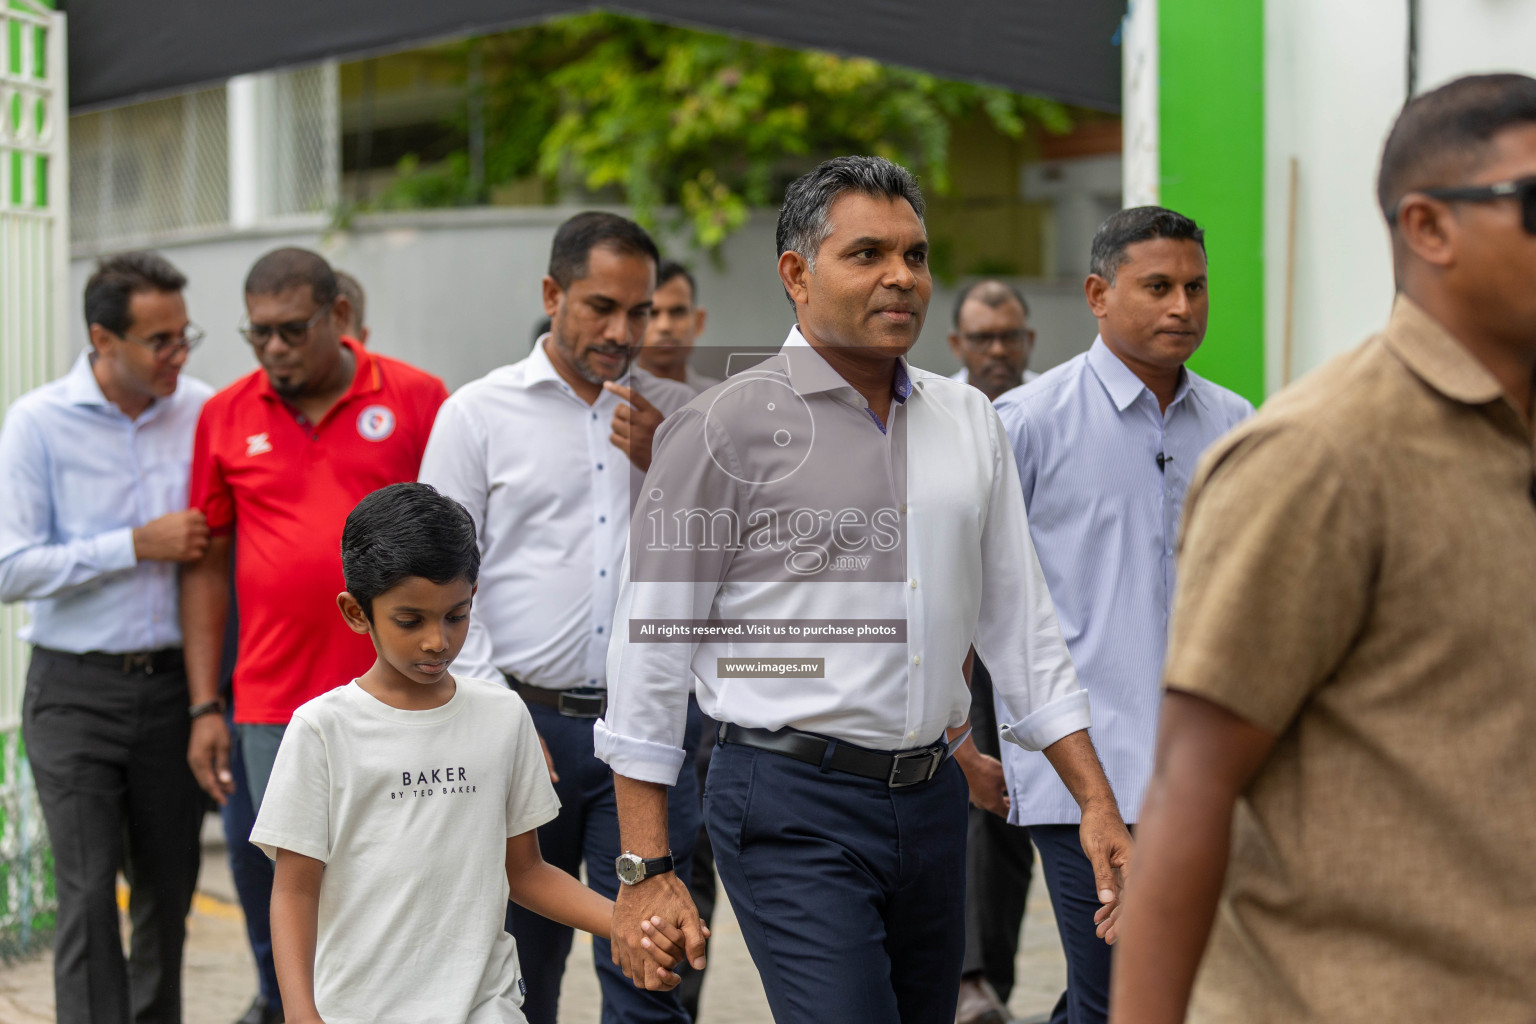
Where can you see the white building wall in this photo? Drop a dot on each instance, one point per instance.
(457, 292)
(1335, 78)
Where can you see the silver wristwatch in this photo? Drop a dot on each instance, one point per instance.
(634, 869)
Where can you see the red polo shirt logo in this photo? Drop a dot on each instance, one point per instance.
(376, 422)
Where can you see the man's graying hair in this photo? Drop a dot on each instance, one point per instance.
(1138, 224)
(803, 223)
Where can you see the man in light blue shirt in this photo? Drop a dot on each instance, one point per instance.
(92, 528)
(1105, 445)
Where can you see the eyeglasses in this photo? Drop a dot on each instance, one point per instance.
(167, 346)
(294, 334)
(1523, 189)
(983, 340)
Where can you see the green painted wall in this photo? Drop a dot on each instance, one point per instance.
(1211, 114)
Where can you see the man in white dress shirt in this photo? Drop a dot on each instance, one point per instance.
(992, 338)
(93, 525)
(547, 454)
(820, 542)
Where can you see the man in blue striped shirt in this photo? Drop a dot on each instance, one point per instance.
(1105, 445)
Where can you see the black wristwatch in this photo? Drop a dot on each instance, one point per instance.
(206, 707)
(633, 869)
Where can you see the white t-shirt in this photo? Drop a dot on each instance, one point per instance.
(411, 812)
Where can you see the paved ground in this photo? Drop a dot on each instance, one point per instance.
(220, 979)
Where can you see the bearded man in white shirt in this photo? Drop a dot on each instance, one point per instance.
(832, 481)
(546, 454)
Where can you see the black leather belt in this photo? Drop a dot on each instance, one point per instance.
(167, 659)
(896, 770)
(580, 702)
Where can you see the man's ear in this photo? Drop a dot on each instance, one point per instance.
(352, 611)
(552, 295)
(1427, 229)
(341, 314)
(699, 316)
(100, 338)
(1096, 291)
(954, 345)
(795, 273)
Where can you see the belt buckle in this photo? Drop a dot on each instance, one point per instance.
(580, 705)
(143, 661)
(898, 760)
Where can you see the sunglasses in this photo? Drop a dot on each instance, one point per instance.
(1523, 189)
(293, 334)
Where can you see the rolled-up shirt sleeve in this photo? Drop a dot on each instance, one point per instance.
(650, 681)
(1017, 635)
(33, 564)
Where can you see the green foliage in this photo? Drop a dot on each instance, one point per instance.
(605, 106)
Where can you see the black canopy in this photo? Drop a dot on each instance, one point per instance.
(119, 52)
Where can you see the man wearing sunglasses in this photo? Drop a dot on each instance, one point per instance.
(281, 457)
(1343, 808)
(93, 525)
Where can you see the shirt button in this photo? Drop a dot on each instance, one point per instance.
(599, 629)
(602, 572)
(602, 519)
(917, 659)
(903, 507)
(599, 465)
(912, 735)
(594, 415)
(591, 682)
(914, 583)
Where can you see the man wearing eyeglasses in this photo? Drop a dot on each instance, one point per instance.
(281, 456)
(93, 525)
(992, 338)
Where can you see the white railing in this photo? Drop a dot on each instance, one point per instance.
(34, 280)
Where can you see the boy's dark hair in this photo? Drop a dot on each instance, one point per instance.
(404, 531)
(671, 269)
(282, 269)
(1138, 224)
(577, 237)
(1443, 137)
(118, 278)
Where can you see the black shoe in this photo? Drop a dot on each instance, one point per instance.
(262, 1012)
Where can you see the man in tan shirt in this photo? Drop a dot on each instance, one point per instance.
(1348, 728)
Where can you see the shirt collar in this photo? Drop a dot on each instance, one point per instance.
(1436, 358)
(1124, 386)
(539, 368)
(81, 386)
(810, 374)
(367, 377)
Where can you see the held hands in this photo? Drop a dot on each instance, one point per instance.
(174, 537)
(208, 756)
(655, 926)
(1107, 844)
(634, 425)
(984, 776)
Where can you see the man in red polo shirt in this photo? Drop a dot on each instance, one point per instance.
(280, 457)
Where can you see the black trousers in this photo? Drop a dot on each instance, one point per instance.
(701, 885)
(998, 863)
(851, 895)
(108, 749)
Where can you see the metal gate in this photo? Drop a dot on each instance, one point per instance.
(34, 280)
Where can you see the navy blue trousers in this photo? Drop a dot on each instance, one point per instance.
(851, 895)
(587, 830)
(1074, 898)
(252, 872)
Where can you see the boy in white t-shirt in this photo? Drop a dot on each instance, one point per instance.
(402, 806)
